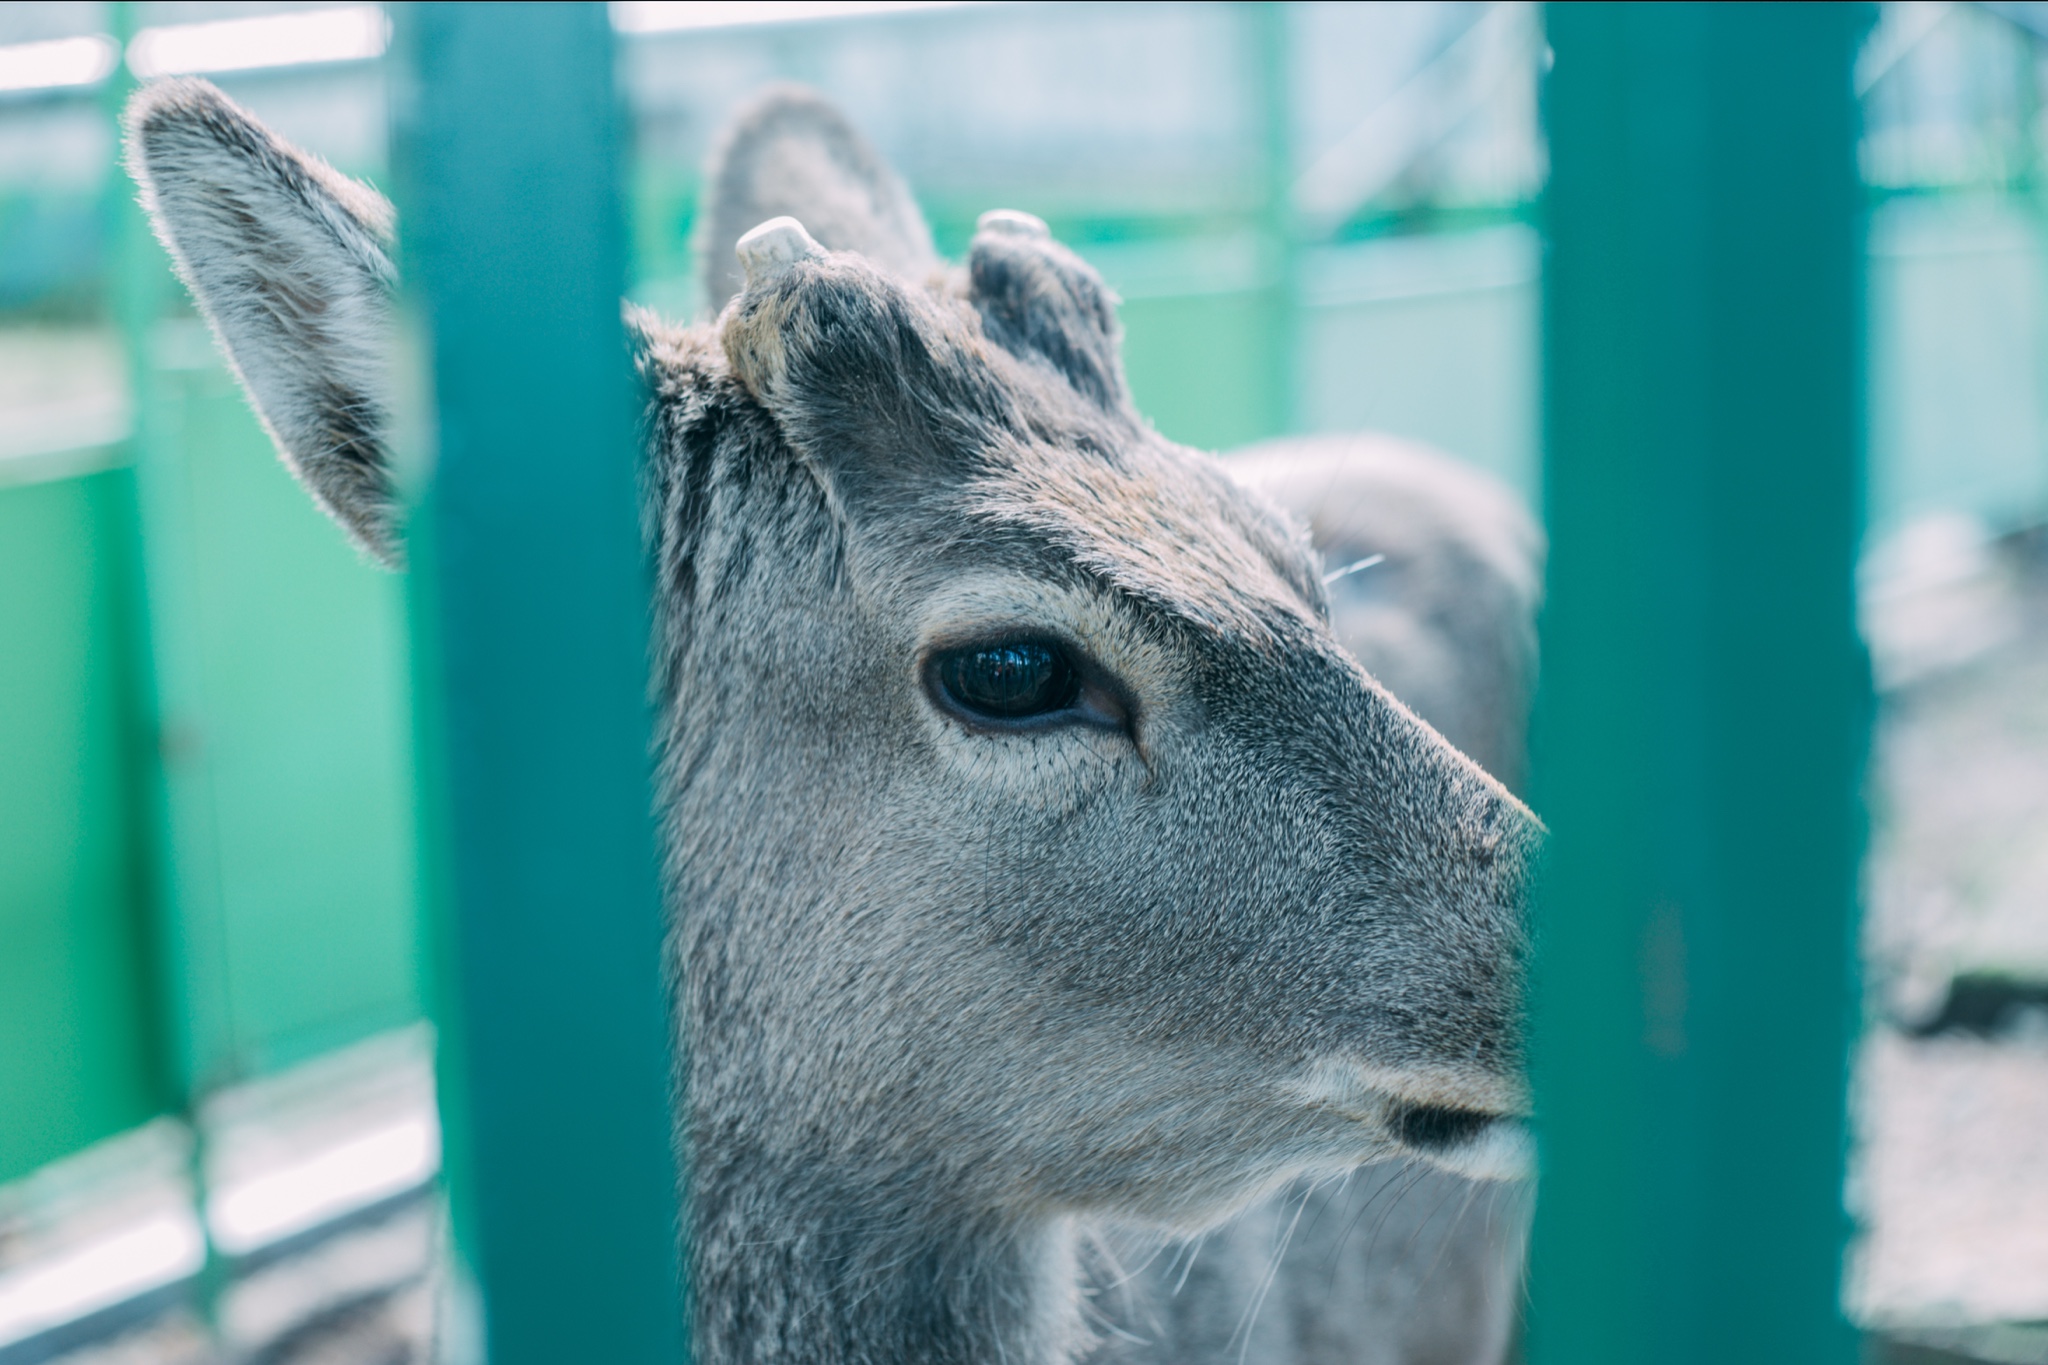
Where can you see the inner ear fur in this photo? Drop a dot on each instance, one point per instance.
(290, 263)
(1039, 300)
(790, 153)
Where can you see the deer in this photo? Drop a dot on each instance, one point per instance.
(1435, 585)
(1038, 861)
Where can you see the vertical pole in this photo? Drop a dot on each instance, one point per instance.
(532, 615)
(1279, 245)
(178, 911)
(134, 278)
(175, 806)
(1705, 699)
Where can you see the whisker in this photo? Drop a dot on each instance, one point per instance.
(1444, 1243)
(1416, 1174)
(1342, 1181)
(1246, 1323)
(1352, 568)
(1417, 1230)
(1336, 1255)
(1194, 1250)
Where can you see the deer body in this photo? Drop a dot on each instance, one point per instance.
(1038, 858)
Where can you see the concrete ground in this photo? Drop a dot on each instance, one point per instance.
(1950, 1172)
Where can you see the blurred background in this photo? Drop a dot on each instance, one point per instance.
(1320, 217)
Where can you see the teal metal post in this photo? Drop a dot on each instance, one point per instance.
(533, 621)
(175, 807)
(1279, 246)
(1705, 699)
(137, 281)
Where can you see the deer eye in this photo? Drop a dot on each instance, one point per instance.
(1011, 681)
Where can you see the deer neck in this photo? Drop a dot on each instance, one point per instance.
(783, 1273)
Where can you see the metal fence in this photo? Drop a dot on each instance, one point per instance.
(213, 869)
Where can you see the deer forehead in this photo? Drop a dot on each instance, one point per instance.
(1153, 528)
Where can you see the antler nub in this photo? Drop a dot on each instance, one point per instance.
(1012, 223)
(772, 248)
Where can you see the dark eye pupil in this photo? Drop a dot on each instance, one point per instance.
(1009, 681)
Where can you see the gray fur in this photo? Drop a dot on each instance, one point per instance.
(1448, 620)
(790, 153)
(1040, 301)
(1395, 1263)
(957, 997)
(291, 264)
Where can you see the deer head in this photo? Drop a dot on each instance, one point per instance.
(1036, 852)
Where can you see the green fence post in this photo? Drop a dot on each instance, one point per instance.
(137, 279)
(1279, 343)
(1705, 699)
(175, 806)
(532, 616)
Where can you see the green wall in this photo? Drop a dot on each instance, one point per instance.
(282, 684)
(1196, 369)
(75, 1011)
(206, 821)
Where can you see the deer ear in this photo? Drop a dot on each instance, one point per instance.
(1039, 301)
(791, 154)
(290, 262)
